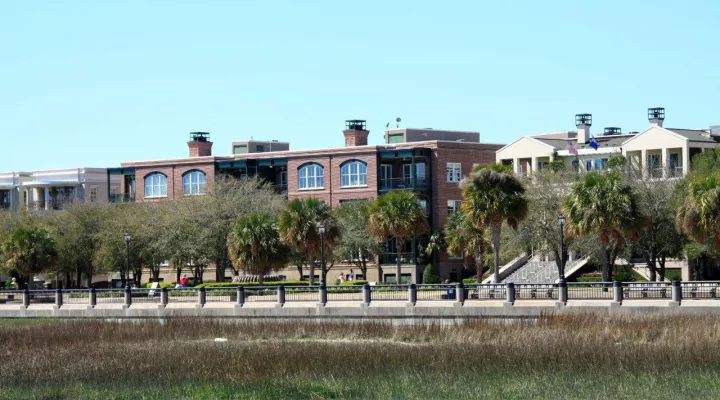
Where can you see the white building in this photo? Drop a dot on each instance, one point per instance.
(660, 151)
(51, 189)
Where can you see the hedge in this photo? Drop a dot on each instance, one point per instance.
(162, 285)
(238, 284)
(354, 283)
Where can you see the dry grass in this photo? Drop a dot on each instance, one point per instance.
(56, 353)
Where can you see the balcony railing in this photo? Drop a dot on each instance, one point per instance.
(122, 198)
(421, 182)
(391, 258)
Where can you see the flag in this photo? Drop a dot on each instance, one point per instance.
(572, 148)
(594, 143)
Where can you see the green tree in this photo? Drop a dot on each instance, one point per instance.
(397, 215)
(464, 237)
(299, 223)
(78, 227)
(29, 250)
(698, 215)
(493, 194)
(255, 245)
(603, 204)
(429, 276)
(354, 244)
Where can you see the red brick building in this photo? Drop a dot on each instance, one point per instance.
(431, 168)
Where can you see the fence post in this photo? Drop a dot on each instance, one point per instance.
(676, 293)
(562, 292)
(93, 297)
(241, 296)
(164, 296)
(412, 294)
(128, 296)
(510, 293)
(366, 294)
(26, 298)
(201, 297)
(281, 295)
(460, 293)
(617, 292)
(322, 295)
(58, 298)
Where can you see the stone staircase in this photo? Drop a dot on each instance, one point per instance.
(545, 272)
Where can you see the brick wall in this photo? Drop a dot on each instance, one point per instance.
(174, 175)
(200, 149)
(356, 137)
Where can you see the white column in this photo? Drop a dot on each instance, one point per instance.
(516, 165)
(665, 162)
(47, 198)
(686, 158)
(534, 166)
(643, 163)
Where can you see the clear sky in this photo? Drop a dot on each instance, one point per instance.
(93, 83)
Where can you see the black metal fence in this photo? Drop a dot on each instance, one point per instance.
(413, 293)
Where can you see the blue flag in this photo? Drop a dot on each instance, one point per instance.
(594, 143)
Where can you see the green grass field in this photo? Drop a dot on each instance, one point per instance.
(567, 357)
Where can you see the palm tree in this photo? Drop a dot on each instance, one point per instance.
(603, 204)
(29, 251)
(462, 236)
(493, 194)
(299, 224)
(400, 216)
(254, 245)
(698, 215)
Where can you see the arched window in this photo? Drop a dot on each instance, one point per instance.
(353, 173)
(156, 185)
(310, 176)
(194, 182)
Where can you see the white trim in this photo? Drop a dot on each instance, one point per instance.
(310, 189)
(655, 127)
(527, 137)
(589, 152)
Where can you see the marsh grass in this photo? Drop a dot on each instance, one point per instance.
(571, 356)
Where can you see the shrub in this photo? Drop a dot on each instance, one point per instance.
(161, 285)
(429, 276)
(237, 284)
(470, 281)
(674, 274)
(589, 279)
(354, 283)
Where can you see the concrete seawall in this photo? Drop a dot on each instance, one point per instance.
(378, 310)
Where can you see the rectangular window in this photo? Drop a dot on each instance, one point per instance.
(454, 172)
(596, 164)
(240, 149)
(93, 194)
(396, 138)
(676, 168)
(654, 163)
(386, 176)
(453, 206)
(456, 257)
(260, 148)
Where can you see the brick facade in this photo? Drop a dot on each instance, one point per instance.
(174, 174)
(356, 137)
(200, 149)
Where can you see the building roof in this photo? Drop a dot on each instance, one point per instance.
(603, 142)
(694, 135)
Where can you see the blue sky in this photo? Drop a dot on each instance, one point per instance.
(94, 83)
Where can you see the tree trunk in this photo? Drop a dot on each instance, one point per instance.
(312, 271)
(363, 268)
(261, 276)
(652, 266)
(178, 272)
(67, 279)
(399, 245)
(156, 274)
(300, 270)
(662, 268)
(496, 252)
(89, 275)
(604, 261)
(78, 277)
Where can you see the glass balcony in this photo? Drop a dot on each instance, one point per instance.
(391, 258)
(421, 182)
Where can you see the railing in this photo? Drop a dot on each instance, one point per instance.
(421, 182)
(391, 258)
(122, 198)
(508, 293)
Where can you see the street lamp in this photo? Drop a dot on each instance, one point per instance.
(126, 236)
(321, 231)
(561, 268)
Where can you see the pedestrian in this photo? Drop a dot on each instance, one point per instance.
(450, 289)
(14, 284)
(342, 278)
(184, 281)
(351, 276)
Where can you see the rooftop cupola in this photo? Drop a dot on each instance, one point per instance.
(355, 133)
(199, 144)
(583, 122)
(656, 116)
(612, 130)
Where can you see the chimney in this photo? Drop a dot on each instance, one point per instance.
(583, 123)
(355, 133)
(656, 116)
(199, 145)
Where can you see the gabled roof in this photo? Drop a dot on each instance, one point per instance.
(525, 137)
(694, 135)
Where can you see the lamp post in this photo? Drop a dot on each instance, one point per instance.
(561, 268)
(126, 236)
(321, 231)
